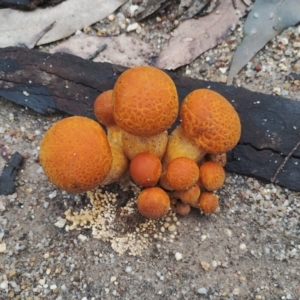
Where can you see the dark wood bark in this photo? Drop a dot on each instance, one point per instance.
(49, 83)
(27, 4)
(9, 173)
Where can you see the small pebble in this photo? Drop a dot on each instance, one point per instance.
(111, 18)
(60, 222)
(284, 41)
(277, 90)
(132, 27)
(202, 291)
(178, 256)
(82, 238)
(128, 269)
(205, 265)
(2, 247)
(243, 246)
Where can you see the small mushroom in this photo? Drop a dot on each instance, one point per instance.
(145, 169)
(153, 203)
(190, 196)
(208, 202)
(182, 208)
(211, 175)
(103, 109)
(182, 173)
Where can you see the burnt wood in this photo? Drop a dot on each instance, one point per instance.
(9, 173)
(50, 83)
(28, 4)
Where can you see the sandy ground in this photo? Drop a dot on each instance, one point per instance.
(249, 249)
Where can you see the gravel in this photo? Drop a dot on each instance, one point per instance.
(249, 249)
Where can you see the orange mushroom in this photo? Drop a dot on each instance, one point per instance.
(145, 101)
(182, 208)
(75, 154)
(182, 173)
(104, 114)
(153, 203)
(190, 196)
(145, 169)
(211, 175)
(208, 202)
(208, 121)
(103, 108)
(145, 105)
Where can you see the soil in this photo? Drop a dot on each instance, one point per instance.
(249, 249)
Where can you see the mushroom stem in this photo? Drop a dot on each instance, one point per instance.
(179, 145)
(120, 162)
(133, 144)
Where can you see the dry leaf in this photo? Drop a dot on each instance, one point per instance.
(25, 28)
(267, 19)
(248, 2)
(120, 50)
(194, 37)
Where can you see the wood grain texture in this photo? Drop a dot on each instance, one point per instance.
(48, 83)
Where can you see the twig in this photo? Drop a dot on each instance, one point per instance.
(234, 4)
(100, 49)
(284, 162)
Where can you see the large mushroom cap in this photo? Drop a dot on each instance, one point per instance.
(75, 154)
(210, 121)
(145, 101)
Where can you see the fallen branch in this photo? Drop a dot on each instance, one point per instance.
(273, 179)
(51, 83)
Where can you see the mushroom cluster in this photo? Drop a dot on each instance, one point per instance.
(179, 171)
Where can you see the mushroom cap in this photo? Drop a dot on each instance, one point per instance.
(75, 154)
(190, 196)
(182, 173)
(153, 203)
(210, 121)
(208, 202)
(145, 169)
(103, 108)
(145, 101)
(211, 175)
(182, 208)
